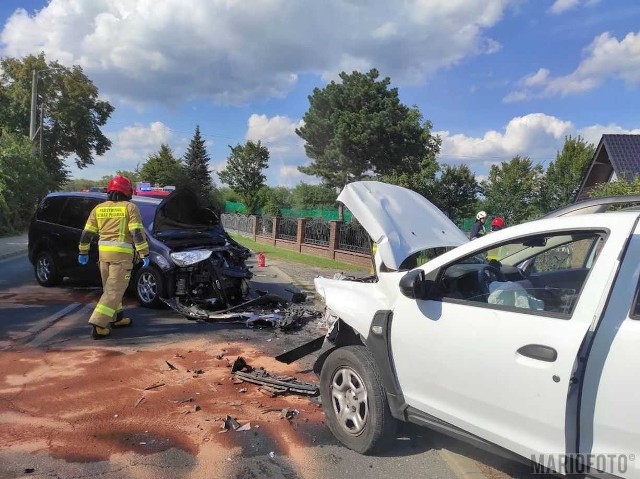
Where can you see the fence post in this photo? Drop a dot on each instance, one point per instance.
(254, 231)
(300, 234)
(274, 233)
(334, 233)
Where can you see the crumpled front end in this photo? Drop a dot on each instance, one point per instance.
(209, 278)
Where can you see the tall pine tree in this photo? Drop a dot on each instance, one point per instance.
(196, 162)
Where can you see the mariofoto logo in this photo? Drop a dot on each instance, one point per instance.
(581, 463)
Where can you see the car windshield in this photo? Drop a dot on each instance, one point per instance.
(147, 211)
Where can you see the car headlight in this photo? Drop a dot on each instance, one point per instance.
(187, 258)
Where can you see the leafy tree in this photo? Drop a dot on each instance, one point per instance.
(310, 196)
(358, 128)
(274, 199)
(227, 194)
(196, 162)
(564, 175)
(421, 179)
(71, 114)
(163, 168)
(81, 184)
(24, 180)
(512, 189)
(618, 187)
(455, 191)
(243, 172)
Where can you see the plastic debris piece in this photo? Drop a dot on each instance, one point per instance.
(171, 366)
(244, 427)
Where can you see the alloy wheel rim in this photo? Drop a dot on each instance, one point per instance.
(349, 400)
(147, 287)
(44, 269)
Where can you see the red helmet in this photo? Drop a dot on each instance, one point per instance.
(121, 184)
(497, 222)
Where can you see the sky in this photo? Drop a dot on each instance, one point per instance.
(496, 78)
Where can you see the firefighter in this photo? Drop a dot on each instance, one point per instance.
(118, 224)
(477, 230)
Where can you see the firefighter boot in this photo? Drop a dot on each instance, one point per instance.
(99, 333)
(121, 321)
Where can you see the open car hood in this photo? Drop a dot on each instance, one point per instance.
(399, 220)
(182, 210)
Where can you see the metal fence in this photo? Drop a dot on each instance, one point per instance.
(288, 229)
(316, 232)
(239, 223)
(353, 237)
(264, 225)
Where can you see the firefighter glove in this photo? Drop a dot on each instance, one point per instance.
(145, 261)
(83, 258)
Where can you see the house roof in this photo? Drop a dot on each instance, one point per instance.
(619, 154)
(623, 152)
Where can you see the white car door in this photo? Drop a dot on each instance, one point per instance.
(499, 371)
(609, 419)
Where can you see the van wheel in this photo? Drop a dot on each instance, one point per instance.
(46, 270)
(148, 287)
(355, 402)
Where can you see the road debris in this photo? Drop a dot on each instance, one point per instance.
(231, 423)
(153, 386)
(275, 384)
(301, 351)
(140, 399)
(288, 414)
(266, 310)
(171, 366)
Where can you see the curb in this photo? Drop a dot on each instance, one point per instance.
(462, 466)
(12, 254)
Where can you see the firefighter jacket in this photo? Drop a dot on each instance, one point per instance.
(119, 229)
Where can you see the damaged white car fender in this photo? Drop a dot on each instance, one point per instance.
(352, 302)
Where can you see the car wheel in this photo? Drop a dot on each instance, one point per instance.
(355, 402)
(46, 270)
(148, 287)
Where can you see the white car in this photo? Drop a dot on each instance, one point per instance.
(534, 352)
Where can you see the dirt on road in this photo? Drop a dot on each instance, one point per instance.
(89, 405)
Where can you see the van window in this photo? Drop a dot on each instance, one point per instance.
(50, 209)
(77, 211)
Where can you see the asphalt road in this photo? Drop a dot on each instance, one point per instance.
(33, 317)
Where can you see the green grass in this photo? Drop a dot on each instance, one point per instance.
(286, 255)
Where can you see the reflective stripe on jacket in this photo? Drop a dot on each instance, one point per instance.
(119, 227)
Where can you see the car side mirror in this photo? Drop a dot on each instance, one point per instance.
(414, 285)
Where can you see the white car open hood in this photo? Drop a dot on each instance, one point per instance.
(399, 220)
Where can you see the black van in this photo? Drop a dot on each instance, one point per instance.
(192, 258)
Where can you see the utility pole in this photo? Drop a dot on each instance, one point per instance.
(34, 102)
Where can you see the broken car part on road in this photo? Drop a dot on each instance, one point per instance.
(267, 310)
(275, 384)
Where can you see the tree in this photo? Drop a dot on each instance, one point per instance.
(512, 189)
(358, 128)
(310, 196)
(274, 199)
(196, 166)
(23, 181)
(71, 114)
(455, 191)
(243, 172)
(622, 186)
(163, 169)
(564, 175)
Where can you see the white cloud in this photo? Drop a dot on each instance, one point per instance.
(561, 6)
(605, 58)
(130, 146)
(234, 51)
(537, 136)
(526, 135)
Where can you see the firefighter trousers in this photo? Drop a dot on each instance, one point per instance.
(115, 279)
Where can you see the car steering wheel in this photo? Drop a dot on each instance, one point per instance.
(488, 274)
